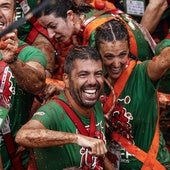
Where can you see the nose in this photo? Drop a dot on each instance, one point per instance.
(92, 79)
(115, 62)
(51, 32)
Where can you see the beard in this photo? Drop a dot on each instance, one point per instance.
(82, 98)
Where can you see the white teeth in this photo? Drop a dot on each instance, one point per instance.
(1, 24)
(115, 69)
(90, 91)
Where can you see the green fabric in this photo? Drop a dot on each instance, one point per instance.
(21, 101)
(53, 117)
(160, 46)
(89, 15)
(32, 54)
(143, 47)
(138, 109)
(24, 29)
(3, 114)
(165, 80)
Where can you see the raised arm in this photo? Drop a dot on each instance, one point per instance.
(159, 64)
(31, 75)
(153, 14)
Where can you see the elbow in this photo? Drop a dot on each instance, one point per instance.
(19, 138)
(22, 138)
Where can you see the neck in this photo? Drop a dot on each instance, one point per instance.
(111, 81)
(82, 110)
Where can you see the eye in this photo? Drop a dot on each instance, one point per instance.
(123, 54)
(99, 74)
(52, 26)
(108, 56)
(5, 6)
(82, 74)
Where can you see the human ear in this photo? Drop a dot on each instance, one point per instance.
(66, 79)
(70, 15)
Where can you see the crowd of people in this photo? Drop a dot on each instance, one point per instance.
(101, 108)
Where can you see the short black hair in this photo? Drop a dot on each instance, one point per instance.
(82, 53)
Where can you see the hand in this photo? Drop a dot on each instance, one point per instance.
(97, 146)
(49, 92)
(158, 2)
(53, 86)
(11, 42)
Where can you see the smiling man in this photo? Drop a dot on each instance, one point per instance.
(74, 120)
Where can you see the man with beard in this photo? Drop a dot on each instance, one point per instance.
(69, 131)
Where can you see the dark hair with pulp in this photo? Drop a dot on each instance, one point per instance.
(60, 8)
(111, 31)
(82, 53)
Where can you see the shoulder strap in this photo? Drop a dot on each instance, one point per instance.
(149, 159)
(153, 151)
(37, 27)
(78, 123)
(119, 86)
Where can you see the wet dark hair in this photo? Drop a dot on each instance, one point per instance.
(60, 8)
(111, 31)
(82, 53)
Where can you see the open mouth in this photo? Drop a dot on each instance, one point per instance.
(2, 26)
(114, 70)
(90, 94)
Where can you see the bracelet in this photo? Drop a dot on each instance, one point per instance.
(12, 61)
